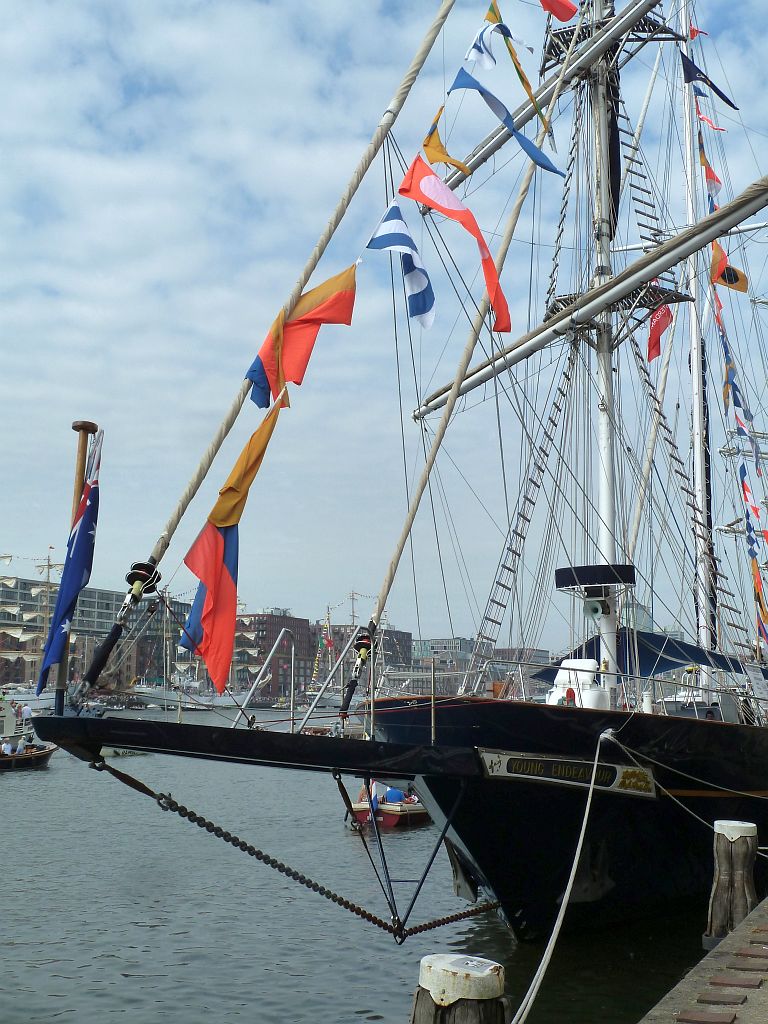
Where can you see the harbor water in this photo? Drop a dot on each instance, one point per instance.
(117, 911)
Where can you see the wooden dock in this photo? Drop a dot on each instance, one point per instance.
(728, 986)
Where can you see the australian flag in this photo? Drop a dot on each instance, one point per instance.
(77, 564)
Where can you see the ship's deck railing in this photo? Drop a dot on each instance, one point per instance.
(691, 693)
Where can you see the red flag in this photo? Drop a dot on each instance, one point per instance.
(697, 32)
(660, 321)
(718, 312)
(210, 627)
(285, 352)
(423, 186)
(210, 630)
(563, 10)
(707, 120)
(713, 182)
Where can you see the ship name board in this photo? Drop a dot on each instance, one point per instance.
(629, 779)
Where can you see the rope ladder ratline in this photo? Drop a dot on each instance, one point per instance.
(396, 928)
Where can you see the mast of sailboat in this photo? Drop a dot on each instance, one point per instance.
(603, 229)
(478, 322)
(704, 576)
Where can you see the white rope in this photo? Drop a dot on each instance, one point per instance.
(725, 789)
(533, 989)
(384, 126)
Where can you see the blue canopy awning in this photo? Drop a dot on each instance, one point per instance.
(651, 654)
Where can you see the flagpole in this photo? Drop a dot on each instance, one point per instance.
(474, 334)
(84, 429)
(385, 124)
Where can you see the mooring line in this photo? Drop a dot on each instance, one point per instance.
(634, 755)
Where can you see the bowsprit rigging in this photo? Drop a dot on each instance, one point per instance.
(397, 926)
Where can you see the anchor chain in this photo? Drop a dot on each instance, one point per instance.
(166, 803)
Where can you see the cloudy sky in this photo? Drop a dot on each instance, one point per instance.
(168, 165)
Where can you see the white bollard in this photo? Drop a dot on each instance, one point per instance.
(471, 987)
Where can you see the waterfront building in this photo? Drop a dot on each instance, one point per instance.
(26, 607)
(255, 636)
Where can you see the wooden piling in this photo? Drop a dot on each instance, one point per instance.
(733, 888)
(460, 990)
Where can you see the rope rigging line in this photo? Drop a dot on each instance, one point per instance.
(526, 1003)
(389, 185)
(433, 229)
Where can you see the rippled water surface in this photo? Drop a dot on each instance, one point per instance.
(114, 910)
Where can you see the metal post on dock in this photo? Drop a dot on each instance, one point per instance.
(466, 989)
(432, 692)
(733, 887)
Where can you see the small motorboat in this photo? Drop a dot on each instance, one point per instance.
(36, 755)
(15, 729)
(394, 809)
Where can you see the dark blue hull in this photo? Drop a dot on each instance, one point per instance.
(517, 775)
(518, 832)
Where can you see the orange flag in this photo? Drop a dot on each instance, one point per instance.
(286, 350)
(721, 272)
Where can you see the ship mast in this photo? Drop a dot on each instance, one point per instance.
(604, 218)
(704, 576)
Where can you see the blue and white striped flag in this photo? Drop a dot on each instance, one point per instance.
(392, 233)
(481, 51)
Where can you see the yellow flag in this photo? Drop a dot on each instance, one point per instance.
(436, 152)
(234, 494)
(721, 272)
(494, 16)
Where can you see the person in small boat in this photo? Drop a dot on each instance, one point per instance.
(6, 747)
(23, 746)
(394, 796)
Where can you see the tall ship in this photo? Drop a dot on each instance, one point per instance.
(627, 523)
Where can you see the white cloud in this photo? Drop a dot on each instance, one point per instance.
(167, 168)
